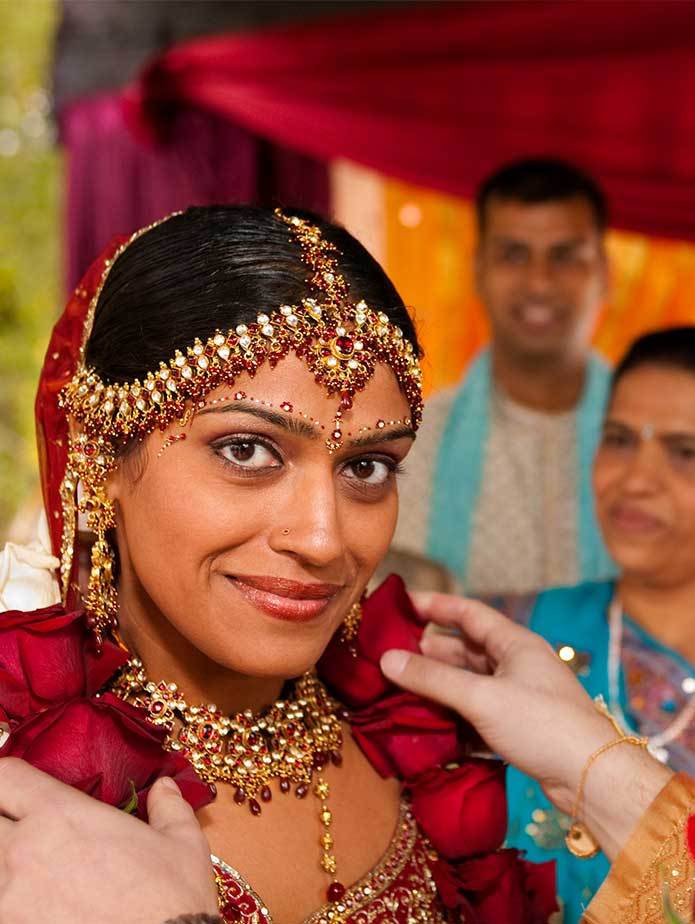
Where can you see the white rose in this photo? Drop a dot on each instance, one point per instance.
(28, 578)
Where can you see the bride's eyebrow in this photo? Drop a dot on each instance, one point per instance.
(382, 436)
(294, 425)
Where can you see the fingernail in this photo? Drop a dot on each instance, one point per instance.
(168, 783)
(393, 662)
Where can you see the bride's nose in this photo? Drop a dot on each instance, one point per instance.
(308, 525)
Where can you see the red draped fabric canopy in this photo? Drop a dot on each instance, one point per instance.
(442, 93)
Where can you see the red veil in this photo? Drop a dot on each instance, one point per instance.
(59, 366)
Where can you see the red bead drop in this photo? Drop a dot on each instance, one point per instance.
(319, 760)
(335, 891)
(336, 758)
(284, 786)
(301, 790)
(266, 794)
(345, 345)
(240, 796)
(255, 807)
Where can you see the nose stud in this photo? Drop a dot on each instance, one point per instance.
(285, 532)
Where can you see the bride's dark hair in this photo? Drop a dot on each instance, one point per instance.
(212, 268)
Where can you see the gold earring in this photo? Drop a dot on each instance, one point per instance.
(351, 623)
(91, 460)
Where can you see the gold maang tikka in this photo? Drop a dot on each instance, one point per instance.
(340, 341)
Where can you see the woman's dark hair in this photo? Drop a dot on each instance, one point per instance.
(212, 268)
(673, 348)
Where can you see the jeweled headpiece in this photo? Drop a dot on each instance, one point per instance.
(341, 342)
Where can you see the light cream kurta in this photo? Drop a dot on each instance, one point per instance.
(524, 534)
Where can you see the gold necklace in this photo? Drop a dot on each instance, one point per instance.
(291, 741)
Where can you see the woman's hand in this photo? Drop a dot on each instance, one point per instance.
(68, 859)
(530, 709)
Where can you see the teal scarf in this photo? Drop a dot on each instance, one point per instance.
(459, 470)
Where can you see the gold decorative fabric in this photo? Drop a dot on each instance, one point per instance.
(656, 853)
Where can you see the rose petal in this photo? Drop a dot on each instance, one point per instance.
(462, 811)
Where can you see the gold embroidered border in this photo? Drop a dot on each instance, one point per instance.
(657, 852)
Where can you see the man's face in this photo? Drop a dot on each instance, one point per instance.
(541, 273)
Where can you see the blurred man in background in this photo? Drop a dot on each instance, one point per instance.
(497, 488)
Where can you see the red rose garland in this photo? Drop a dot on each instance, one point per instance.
(462, 809)
(49, 681)
(61, 722)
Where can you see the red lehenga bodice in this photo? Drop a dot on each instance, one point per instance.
(400, 889)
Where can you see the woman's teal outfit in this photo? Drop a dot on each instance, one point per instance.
(655, 684)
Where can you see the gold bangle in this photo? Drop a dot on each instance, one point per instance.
(579, 840)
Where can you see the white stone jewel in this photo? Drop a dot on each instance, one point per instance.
(171, 385)
(341, 332)
(263, 318)
(292, 320)
(331, 362)
(218, 340)
(241, 329)
(187, 372)
(163, 374)
(688, 685)
(223, 352)
(140, 404)
(359, 345)
(180, 360)
(198, 349)
(353, 364)
(245, 342)
(203, 362)
(108, 406)
(149, 384)
(267, 330)
(286, 310)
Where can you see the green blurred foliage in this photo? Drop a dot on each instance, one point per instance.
(30, 236)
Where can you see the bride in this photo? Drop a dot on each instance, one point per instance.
(227, 402)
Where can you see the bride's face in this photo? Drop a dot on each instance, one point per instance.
(244, 534)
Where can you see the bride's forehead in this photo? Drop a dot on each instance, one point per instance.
(293, 384)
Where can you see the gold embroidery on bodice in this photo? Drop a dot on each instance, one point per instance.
(400, 889)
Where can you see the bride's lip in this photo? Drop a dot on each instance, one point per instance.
(285, 599)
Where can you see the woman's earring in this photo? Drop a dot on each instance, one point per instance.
(351, 623)
(91, 461)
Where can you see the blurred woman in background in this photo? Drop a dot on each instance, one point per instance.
(631, 640)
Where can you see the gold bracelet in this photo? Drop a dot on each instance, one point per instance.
(579, 840)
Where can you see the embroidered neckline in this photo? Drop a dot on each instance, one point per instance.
(405, 841)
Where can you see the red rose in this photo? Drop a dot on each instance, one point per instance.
(45, 659)
(389, 620)
(105, 748)
(462, 811)
(499, 887)
(404, 735)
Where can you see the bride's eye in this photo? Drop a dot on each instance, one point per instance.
(371, 472)
(249, 453)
